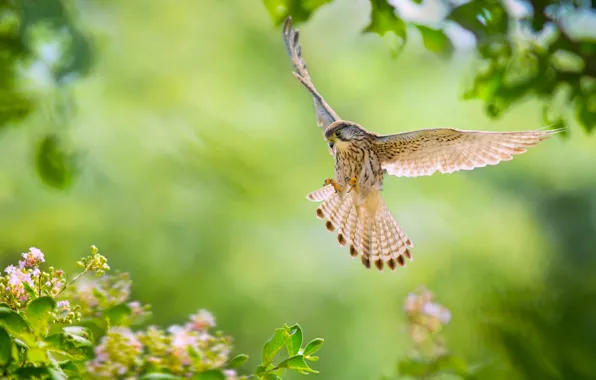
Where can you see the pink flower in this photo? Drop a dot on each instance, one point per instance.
(437, 311)
(63, 305)
(182, 340)
(32, 258)
(201, 320)
(230, 374)
(10, 269)
(136, 308)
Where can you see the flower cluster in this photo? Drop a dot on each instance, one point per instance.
(26, 281)
(425, 321)
(96, 295)
(179, 350)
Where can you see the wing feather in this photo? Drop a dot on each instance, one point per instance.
(325, 114)
(446, 150)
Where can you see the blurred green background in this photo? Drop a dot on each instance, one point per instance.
(199, 146)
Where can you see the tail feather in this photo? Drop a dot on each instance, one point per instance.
(353, 231)
(375, 236)
(321, 194)
(338, 214)
(344, 234)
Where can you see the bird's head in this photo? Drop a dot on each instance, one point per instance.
(343, 132)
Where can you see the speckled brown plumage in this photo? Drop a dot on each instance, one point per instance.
(352, 204)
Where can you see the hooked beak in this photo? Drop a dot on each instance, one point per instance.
(331, 142)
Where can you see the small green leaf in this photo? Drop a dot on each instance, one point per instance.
(159, 376)
(436, 41)
(296, 363)
(38, 310)
(77, 347)
(383, 19)
(451, 364)
(56, 374)
(295, 342)
(29, 290)
(210, 375)
(5, 348)
(313, 346)
(271, 376)
(13, 322)
(413, 368)
(299, 10)
(237, 361)
(312, 358)
(119, 314)
(69, 367)
(274, 345)
(78, 331)
(31, 372)
(260, 369)
(54, 165)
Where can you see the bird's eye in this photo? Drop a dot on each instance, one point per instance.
(338, 133)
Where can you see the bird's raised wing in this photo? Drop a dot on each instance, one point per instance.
(325, 114)
(446, 150)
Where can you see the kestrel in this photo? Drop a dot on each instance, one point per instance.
(352, 202)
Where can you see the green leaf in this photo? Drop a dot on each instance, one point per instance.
(271, 376)
(77, 347)
(383, 19)
(54, 165)
(296, 363)
(29, 290)
(210, 375)
(295, 342)
(56, 374)
(274, 345)
(38, 310)
(585, 110)
(313, 346)
(13, 322)
(451, 364)
(31, 372)
(119, 314)
(260, 369)
(78, 331)
(300, 10)
(237, 361)
(159, 376)
(414, 368)
(436, 41)
(5, 348)
(69, 368)
(481, 18)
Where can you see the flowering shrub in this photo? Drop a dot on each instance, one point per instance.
(429, 357)
(55, 328)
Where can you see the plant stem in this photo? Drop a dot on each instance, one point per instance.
(87, 269)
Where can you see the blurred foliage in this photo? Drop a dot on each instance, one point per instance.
(523, 54)
(200, 146)
(41, 44)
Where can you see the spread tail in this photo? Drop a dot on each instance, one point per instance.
(374, 235)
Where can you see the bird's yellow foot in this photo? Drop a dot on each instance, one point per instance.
(352, 184)
(332, 182)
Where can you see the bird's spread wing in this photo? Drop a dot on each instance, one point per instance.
(446, 150)
(325, 114)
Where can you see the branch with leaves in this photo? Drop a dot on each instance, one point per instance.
(523, 54)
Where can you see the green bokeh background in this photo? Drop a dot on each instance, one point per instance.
(200, 146)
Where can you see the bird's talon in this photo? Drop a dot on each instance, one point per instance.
(352, 183)
(332, 182)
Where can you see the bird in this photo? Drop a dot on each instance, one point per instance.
(351, 201)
